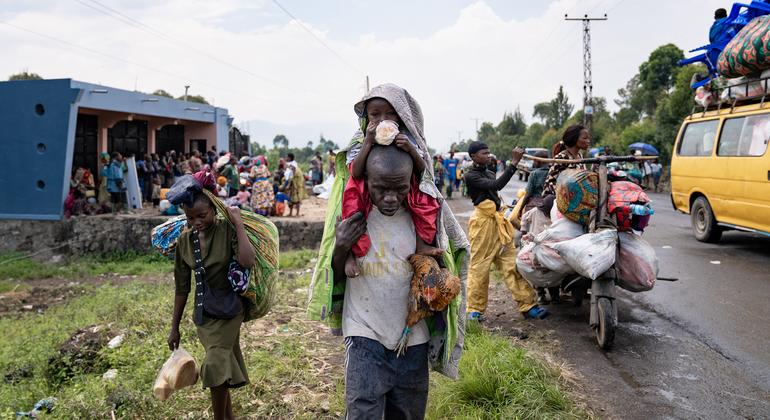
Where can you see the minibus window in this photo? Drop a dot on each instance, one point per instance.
(698, 138)
(745, 136)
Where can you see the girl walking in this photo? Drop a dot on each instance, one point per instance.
(207, 251)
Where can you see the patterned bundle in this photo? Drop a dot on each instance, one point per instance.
(747, 53)
(164, 235)
(577, 194)
(263, 236)
(622, 195)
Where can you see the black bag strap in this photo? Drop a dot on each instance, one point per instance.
(200, 283)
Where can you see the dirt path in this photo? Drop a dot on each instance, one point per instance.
(37, 295)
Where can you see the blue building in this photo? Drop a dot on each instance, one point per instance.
(49, 127)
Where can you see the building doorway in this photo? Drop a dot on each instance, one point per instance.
(128, 138)
(238, 142)
(86, 152)
(199, 145)
(168, 138)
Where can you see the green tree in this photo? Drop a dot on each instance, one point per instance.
(280, 142)
(549, 138)
(462, 146)
(272, 156)
(643, 131)
(512, 124)
(672, 109)
(486, 132)
(655, 78)
(195, 98)
(324, 145)
(554, 112)
(258, 149)
(533, 135)
(25, 75)
(163, 93)
(626, 116)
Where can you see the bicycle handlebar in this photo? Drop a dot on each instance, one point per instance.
(600, 159)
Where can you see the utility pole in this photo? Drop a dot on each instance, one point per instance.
(186, 88)
(367, 84)
(588, 87)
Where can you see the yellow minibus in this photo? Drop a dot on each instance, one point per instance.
(720, 171)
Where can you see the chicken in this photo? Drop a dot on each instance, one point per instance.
(431, 290)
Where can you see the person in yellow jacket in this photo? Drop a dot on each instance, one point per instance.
(491, 237)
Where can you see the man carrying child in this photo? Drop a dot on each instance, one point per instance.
(397, 204)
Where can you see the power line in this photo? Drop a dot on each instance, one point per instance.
(595, 7)
(539, 50)
(113, 57)
(115, 14)
(615, 6)
(555, 57)
(317, 38)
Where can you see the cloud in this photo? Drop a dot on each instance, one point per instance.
(276, 74)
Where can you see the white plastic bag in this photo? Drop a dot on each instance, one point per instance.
(179, 371)
(703, 96)
(535, 221)
(749, 87)
(536, 275)
(590, 255)
(637, 263)
(323, 189)
(386, 132)
(561, 230)
(555, 213)
(547, 257)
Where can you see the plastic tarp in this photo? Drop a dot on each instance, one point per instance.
(637, 263)
(323, 189)
(590, 255)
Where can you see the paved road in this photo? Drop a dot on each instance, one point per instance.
(695, 348)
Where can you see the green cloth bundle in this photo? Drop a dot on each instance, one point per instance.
(263, 236)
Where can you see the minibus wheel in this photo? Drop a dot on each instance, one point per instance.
(704, 225)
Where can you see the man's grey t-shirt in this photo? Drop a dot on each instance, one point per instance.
(376, 301)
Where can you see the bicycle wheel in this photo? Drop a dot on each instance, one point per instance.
(605, 331)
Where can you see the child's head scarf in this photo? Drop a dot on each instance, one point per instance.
(405, 105)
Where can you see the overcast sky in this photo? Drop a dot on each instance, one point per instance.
(460, 59)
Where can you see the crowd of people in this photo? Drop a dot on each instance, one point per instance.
(449, 172)
(245, 182)
(391, 209)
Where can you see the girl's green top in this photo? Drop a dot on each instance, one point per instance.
(220, 246)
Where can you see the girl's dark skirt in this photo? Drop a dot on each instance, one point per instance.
(223, 364)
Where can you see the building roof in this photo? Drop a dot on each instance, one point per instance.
(108, 98)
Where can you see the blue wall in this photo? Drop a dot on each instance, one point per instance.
(35, 148)
(37, 137)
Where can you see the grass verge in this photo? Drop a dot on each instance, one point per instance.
(293, 365)
(16, 266)
(500, 381)
(297, 260)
